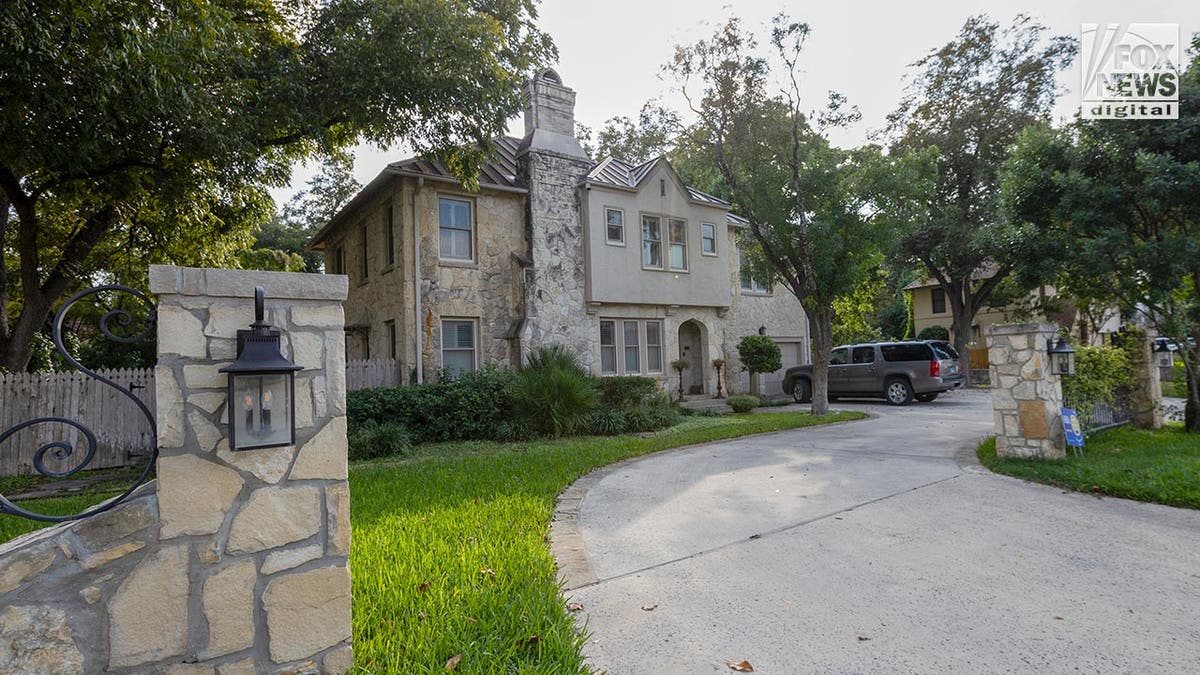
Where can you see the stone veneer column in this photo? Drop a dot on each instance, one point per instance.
(253, 545)
(1145, 398)
(1026, 393)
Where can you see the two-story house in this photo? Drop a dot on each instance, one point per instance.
(625, 265)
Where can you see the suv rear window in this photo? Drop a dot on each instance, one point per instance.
(945, 352)
(910, 352)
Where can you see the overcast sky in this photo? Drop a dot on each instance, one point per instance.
(612, 52)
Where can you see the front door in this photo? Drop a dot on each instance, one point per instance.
(691, 350)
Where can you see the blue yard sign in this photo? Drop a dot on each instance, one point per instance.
(1073, 429)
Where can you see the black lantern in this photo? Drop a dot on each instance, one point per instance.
(1062, 357)
(1163, 353)
(262, 387)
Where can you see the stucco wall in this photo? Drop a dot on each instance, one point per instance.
(615, 273)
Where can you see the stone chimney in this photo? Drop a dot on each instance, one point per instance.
(550, 117)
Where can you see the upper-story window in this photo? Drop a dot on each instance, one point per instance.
(939, 300)
(677, 246)
(749, 282)
(339, 259)
(708, 239)
(652, 242)
(456, 224)
(614, 226)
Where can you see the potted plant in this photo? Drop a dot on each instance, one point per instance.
(680, 365)
(719, 366)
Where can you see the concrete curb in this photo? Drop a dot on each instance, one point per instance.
(566, 537)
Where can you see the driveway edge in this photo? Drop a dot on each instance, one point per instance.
(566, 537)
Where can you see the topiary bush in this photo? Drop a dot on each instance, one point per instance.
(379, 439)
(553, 394)
(743, 403)
(759, 354)
(934, 333)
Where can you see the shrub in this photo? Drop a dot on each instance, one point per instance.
(553, 394)
(657, 413)
(607, 422)
(742, 403)
(759, 354)
(1099, 373)
(375, 439)
(469, 407)
(934, 333)
(627, 391)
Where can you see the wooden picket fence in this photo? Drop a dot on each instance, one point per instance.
(123, 435)
(370, 373)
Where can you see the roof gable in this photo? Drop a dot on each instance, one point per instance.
(613, 172)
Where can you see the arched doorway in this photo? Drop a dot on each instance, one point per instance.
(691, 349)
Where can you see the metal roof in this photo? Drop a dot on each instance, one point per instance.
(621, 174)
(498, 172)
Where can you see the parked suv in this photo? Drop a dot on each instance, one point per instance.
(896, 371)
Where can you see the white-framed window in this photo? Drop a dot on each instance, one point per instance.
(458, 345)
(631, 346)
(654, 359)
(608, 347)
(937, 298)
(749, 283)
(708, 239)
(677, 244)
(614, 226)
(456, 227)
(652, 242)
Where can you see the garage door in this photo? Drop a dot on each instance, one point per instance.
(791, 354)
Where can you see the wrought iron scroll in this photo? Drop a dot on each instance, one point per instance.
(63, 451)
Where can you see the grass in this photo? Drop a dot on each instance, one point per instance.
(52, 506)
(451, 554)
(1160, 466)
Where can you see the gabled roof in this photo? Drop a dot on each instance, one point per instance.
(499, 173)
(618, 173)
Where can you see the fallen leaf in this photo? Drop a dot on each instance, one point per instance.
(756, 536)
(1059, 618)
(531, 640)
(488, 572)
(863, 638)
(423, 587)
(649, 608)
(742, 667)
(574, 607)
(452, 664)
(420, 616)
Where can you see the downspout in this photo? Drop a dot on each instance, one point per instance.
(416, 240)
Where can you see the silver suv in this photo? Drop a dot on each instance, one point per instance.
(896, 371)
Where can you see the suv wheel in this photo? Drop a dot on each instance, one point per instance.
(898, 392)
(802, 391)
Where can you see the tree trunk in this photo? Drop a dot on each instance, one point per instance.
(820, 324)
(960, 322)
(17, 347)
(1191, 411)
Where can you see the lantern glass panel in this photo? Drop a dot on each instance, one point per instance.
(1164, 359)
(262, 410)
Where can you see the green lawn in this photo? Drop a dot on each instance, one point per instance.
(1150, 466)
(1178, 386)
(451, 555)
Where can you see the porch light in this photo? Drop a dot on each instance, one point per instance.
(1163, 354)
(262, 385)
(1062, 357)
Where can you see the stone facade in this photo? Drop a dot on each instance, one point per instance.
(1026, 393)
(1145, 398)
(228, 562)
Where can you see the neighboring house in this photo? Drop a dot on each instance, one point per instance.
(931, 307)
(624, 265)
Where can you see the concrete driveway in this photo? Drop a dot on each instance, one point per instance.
(873, 546)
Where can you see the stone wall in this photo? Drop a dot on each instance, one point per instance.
(1026, 393)
(229, 562)
(1145, 397)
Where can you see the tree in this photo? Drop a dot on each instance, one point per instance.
(969, 100)
(817, 216)
(651, 136)
(144, 131)
(758, 354)
(1122, 201)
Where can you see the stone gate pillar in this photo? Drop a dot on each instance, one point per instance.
(260, 537)
(1145, 397)
(1026, 393)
